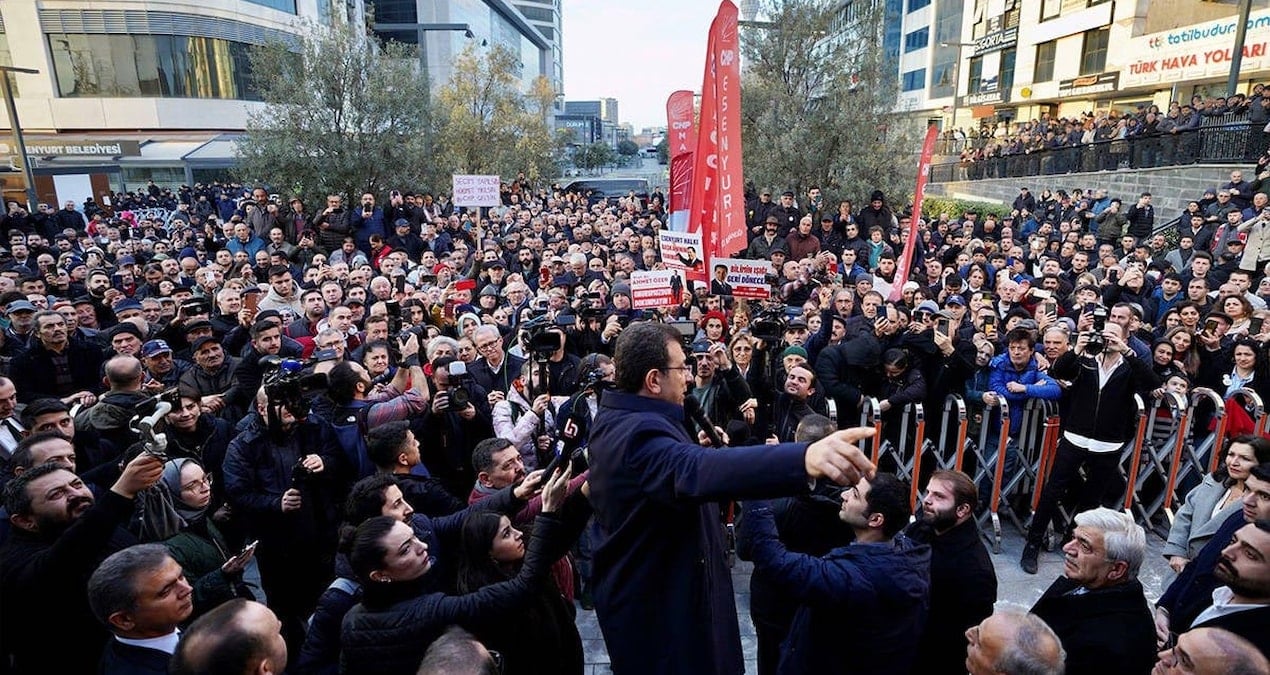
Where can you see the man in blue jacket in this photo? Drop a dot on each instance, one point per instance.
(864, 605)
(663, 591)
(1016, 377)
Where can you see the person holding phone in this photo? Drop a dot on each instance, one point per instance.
(217, 573)
(458, 418)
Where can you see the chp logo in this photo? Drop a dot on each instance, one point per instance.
(681, 106)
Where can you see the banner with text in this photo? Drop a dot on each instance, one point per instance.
(652, 289)
(682, 251)
(681, 141)
(718, 200)
(476, 191)
(741, 278)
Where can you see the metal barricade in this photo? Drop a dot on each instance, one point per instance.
(953, 456)
(1190, 456)
(1131, 457)
(871, 416)
(1152, 469)
(1255, 408)
(1040, 421)
(907, 455)
(991, 464)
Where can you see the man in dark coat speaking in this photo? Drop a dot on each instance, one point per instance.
(663, 591)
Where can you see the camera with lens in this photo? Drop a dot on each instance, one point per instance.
(287, 384)
(769, 326)
(1097, 342)
(460, 397)
(542, 339)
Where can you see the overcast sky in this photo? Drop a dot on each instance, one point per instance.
(636, 51)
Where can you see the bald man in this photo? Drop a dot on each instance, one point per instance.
(1012, 642)
(1211, 651)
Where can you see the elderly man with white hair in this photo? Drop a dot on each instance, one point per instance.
(1097, 608)
(1013, 642)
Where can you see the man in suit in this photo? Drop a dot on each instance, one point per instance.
(1185, 600)
(1097, 607)
(141, 595)
(1241, 604)
(719, 285)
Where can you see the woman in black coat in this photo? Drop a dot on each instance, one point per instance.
(542, 638)
(401, 613)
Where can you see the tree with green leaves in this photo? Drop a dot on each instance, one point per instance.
(663, 152)
(344, 114)
(594, 156)
(486, 124)
(627, 148)
(818, 100)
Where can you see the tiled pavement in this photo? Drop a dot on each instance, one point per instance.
(1013, 586)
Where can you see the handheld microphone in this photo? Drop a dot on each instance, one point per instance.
(692, 407)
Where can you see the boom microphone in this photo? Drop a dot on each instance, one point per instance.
(692, 407)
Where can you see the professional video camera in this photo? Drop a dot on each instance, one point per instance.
(287, 384)
(542, 337)
(769, 325)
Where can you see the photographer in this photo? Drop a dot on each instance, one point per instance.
(350, 389)
(528, 416)
(283, 484)
(1104, 374)
(457, 420)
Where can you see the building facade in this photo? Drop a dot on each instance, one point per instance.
(545, 15)
(968, 63)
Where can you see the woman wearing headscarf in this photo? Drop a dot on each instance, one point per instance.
(217, 573)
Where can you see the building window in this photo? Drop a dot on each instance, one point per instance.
(161, 66)
(975, 75)
(1093, 57)
(1051, 9)
(1008, 58)
(287, 6)
(941, 79)
(914, 80)
(914, 5)
(538, 14)
(1045, 61)
(918, 39)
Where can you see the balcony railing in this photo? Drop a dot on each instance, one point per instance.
(1219, 140)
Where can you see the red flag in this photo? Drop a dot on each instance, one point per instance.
(681, 141)
(718, 199)
(923, 172)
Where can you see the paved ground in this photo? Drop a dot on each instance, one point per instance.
(1013, 586)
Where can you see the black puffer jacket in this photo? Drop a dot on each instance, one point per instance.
(391, 629)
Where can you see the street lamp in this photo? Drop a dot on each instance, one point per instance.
(422, 28)
(956, 83)
(16, 126)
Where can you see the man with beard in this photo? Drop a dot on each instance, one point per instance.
(1241, 604)
(882, 570)
(793, 404)
(805, 524)
(1192, 592)
(963, 583)
(60, 534)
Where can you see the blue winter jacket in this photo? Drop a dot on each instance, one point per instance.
(1039, 385)
(864, 606)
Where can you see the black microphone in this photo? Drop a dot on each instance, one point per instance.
(692, 407)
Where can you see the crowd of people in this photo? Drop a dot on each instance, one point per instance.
(396, 436)
(1106, 140)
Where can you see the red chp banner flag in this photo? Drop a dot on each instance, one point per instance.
(923, 172)
(718, 200)
(681, 141)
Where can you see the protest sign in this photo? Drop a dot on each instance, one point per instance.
(682, 251)
(656, 288)
(476, 191)
(741, 278)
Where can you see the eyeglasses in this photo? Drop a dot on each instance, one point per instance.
(487, 346)
(204, 483)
